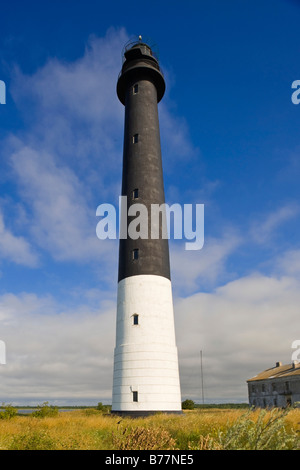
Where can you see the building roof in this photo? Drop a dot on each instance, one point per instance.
(278, 371)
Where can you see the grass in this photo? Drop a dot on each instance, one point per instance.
(199, 429)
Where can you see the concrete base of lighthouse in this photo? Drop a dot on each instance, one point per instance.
(146, 375)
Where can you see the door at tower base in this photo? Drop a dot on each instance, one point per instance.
(146, 376)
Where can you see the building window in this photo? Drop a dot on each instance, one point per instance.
(273, 387)
(135, 253)
(135, 194)
(135, 138)
(135, 89)
(135, 396)
(135, 318)
(263, 388)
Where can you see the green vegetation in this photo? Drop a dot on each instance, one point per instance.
(45, 410)
(197, 429)
(103, 408)
(226, 406)
(268, 431)
(188, 405)
(8, 412)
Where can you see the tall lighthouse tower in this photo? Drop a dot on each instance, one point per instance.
(146, 376)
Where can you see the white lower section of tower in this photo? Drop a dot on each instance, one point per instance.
(146, 375)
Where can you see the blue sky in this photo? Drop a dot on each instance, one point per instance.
(230, 141)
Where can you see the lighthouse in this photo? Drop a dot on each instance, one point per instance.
(146, 374)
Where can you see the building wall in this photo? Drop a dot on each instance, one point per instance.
(281, 392)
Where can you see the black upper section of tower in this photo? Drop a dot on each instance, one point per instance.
(140, 87)
(139, 60)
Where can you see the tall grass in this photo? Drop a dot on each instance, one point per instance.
(206, 429)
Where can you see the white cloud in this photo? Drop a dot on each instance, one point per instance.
(264, 230)
(62, 222)
(63, 352)
(289, 262)
(68, 159)
(16, 248)
(84, 89)
(192, 270)
(242, 327)
(56, 352)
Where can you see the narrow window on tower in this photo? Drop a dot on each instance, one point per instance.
(135, 89)
(135, 396)
(135, 253)
(135, 138)
(135, 194)
(135, 318)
